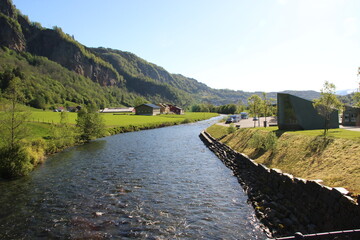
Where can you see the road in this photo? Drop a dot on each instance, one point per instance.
(247, 123)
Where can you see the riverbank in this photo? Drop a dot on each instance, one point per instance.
(47, 136)
(286, 204)
(156, 184)
(304, 154)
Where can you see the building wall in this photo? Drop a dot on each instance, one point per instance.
(351, 116)
(296, 113)
(146, 110)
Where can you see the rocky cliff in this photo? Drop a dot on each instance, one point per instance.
(10, 31)
(18, 33)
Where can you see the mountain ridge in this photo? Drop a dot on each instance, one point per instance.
(109, 67)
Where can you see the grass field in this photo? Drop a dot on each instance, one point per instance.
(112, 120)
(332, 133)
(304, 154)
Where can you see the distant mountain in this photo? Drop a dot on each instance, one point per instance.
(346, 91)
(60, 67)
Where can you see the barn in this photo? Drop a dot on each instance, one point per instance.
(147, 109)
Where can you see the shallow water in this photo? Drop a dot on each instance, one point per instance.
(154, 184)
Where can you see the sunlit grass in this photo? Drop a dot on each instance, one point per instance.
(334, 133)
(305, 154)
(116, 120)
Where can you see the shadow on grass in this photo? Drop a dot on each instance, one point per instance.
(318, 145)
(257, 153)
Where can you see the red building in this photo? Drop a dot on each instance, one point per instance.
(176, 110)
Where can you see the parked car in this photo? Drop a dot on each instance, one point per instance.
(233, 119)
(255, 119)
(244, 115)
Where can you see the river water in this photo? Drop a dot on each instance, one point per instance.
(154, 184)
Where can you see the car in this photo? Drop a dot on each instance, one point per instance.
(229, 120)
(233, 119)
(255, 119)
(244, 115)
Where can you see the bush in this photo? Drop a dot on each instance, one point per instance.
(15, 162)
(264, 142)
(231, 128)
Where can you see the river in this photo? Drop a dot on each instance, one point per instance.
(155, 184)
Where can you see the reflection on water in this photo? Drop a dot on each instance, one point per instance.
(155, 184)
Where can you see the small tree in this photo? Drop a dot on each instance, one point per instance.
(327, 103)
(356, 99)
(255, 105)
(14, 159)
(91, 124)
(266, 105)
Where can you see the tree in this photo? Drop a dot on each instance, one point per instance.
(327, 103)
(138, 101)
(266, 106)
(14, 159)
(255, 105)
(90, 123)
(356, 99)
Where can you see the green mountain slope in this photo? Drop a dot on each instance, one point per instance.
(58, 69)
(53, 84)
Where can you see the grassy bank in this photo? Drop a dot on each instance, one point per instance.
(122, 120)
(43, 134)
(42, 122)
(304, 154)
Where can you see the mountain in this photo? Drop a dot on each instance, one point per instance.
(59, 67)
(345, 92)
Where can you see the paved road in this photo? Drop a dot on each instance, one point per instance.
(246, 123)
(351, 128)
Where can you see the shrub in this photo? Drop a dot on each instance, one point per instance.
(231, 128)
(15, 162)
(264, 142)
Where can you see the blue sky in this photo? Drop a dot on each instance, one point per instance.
(263, 45)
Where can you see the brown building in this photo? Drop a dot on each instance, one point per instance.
(175, 109)
(164, 108)
(147, 109)
(351, 116)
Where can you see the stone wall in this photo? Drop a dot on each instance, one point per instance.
(285, 204)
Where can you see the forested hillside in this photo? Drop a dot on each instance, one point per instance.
(56, 69)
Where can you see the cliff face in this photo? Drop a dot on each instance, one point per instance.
(10, 30)
(17, 33)
(50, 44)
(7, 8)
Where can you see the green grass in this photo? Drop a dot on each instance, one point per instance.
(333, 133)
(112, 120)
(50, 117)
(304, 154)
(217, 131)
(39, 130)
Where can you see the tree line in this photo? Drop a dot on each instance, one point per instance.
(257, 106)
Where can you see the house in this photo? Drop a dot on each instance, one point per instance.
(164, 108)
(147, 109)
(59, 109)
(72, 109)
(118, 110)
(175, 109)
(351, 116)
(296, 113)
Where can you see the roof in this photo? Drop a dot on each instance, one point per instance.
(115, 110)
(150, 105)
